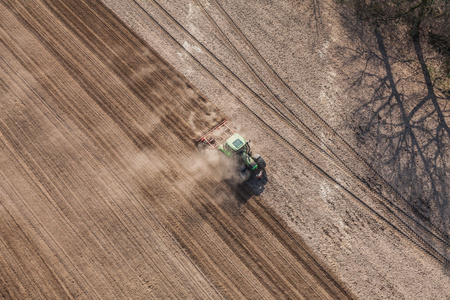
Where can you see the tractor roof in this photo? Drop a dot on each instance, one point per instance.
(235, 142)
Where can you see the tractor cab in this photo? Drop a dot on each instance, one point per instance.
(235, 144)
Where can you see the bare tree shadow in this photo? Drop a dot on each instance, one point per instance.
(415, 146)
(401, 122)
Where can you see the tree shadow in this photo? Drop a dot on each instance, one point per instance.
(418, 140)
(402, 123)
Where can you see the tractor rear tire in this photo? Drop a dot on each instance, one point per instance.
(259, 161)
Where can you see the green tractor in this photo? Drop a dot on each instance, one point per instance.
(235, 147)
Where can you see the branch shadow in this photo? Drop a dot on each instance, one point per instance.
(417, 140)
(401, 122)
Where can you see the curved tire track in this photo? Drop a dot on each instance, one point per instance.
(96, 133)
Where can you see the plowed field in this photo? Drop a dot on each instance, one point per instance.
(313, 86)
(103, 193)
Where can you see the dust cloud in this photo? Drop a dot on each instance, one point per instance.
(213, 164)
(184, 172)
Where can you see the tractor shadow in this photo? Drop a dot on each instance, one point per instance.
(246, 190)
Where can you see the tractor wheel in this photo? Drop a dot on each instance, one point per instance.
(259, 161)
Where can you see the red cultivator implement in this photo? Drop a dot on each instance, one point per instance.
(216, 135)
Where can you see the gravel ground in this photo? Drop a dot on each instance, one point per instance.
(319, 56)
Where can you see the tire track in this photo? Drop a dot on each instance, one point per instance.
(382, 209)
(334, 137)
(78, 115)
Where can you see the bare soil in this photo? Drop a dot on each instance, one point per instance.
(103, 193)
(323, 97)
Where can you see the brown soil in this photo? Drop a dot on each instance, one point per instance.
(103, 193)
(309, 85)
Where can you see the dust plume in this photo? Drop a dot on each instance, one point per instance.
(184, 172)
(213, 164)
